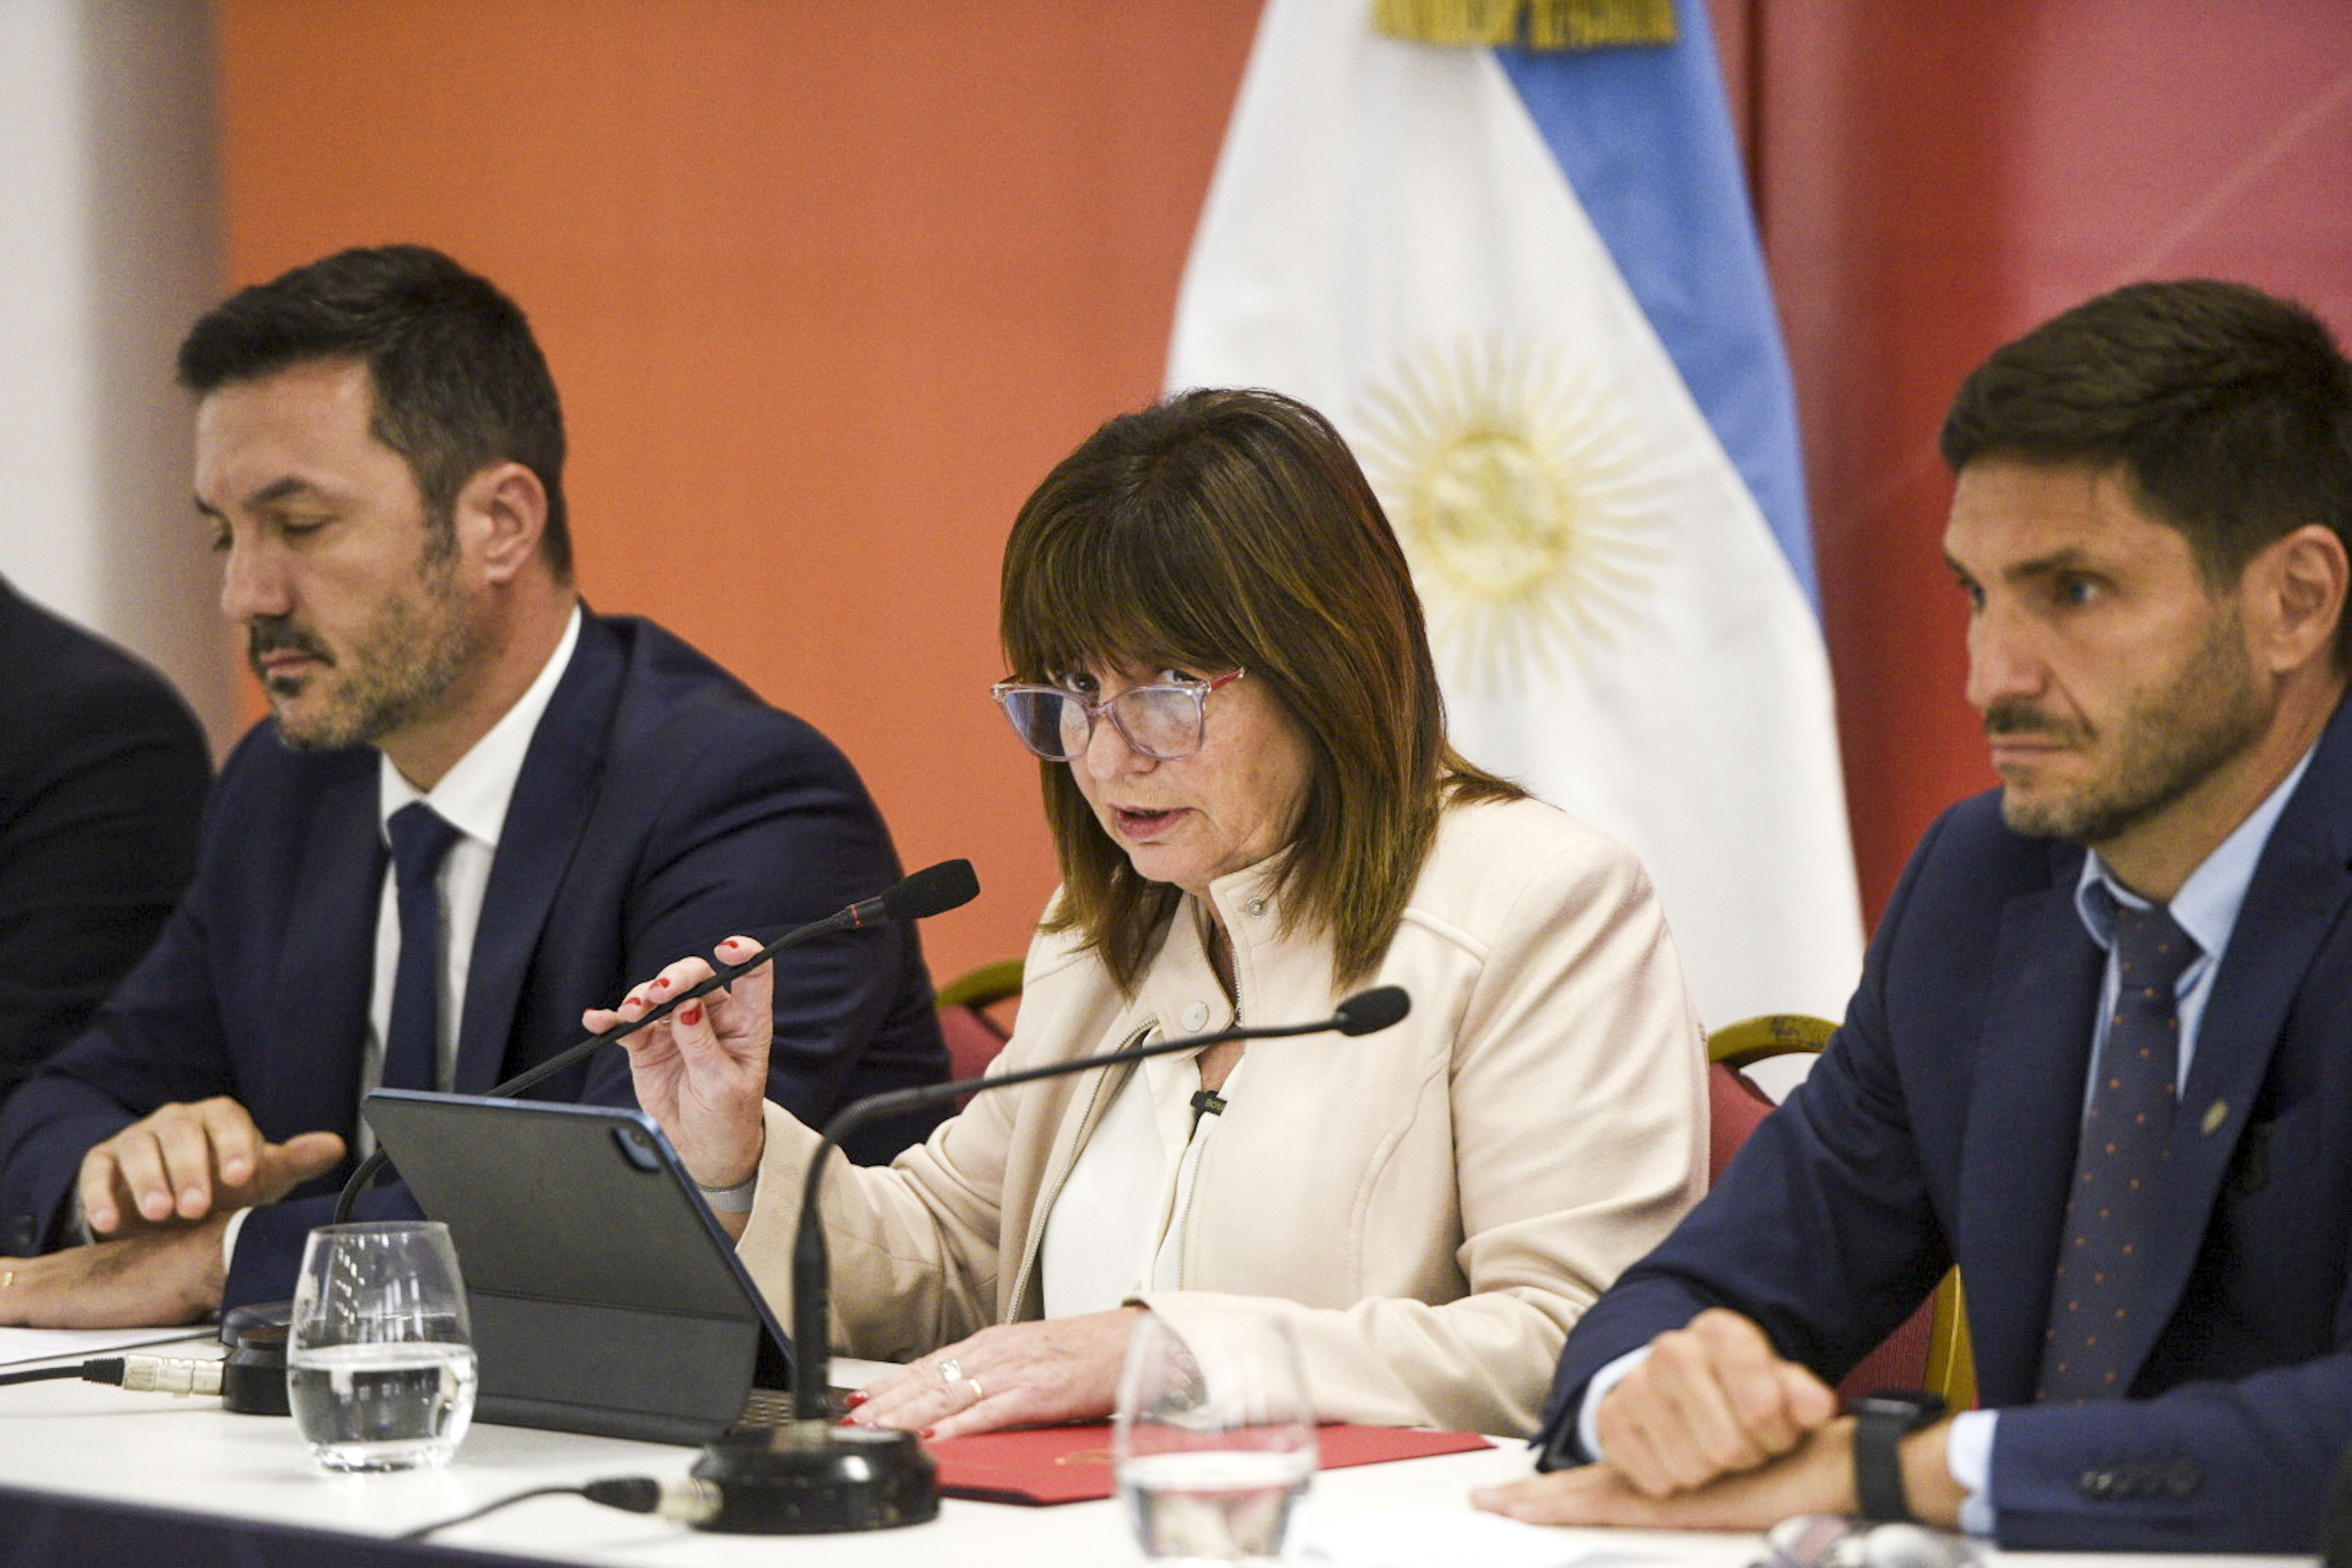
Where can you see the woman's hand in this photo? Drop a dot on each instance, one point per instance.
(703, 1072)
(1017, 1374)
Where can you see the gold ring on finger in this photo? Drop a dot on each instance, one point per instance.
(978, 1392)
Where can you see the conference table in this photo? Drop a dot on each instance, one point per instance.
(80, 1462)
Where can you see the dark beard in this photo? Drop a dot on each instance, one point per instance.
(403, 663)
(2169, 743)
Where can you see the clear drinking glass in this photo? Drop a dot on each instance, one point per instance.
(379, 1358)
(1214, 1439)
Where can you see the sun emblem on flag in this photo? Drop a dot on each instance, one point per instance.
(1521, 495)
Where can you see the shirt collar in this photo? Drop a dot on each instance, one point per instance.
(2207, 905)
(472, 795)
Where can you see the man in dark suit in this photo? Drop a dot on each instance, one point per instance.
(103, 778)
(475, 808)
(2100, 1057)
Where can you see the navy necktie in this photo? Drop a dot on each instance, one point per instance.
(2111, 1208)
(411, 1046)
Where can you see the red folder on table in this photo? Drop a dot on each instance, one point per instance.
(1072, 1464)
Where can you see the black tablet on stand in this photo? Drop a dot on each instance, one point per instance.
(606, 1297)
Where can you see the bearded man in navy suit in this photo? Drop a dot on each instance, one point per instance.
(379, 459)
(2100, 1057)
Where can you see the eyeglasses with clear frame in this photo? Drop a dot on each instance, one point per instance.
(1162, 721)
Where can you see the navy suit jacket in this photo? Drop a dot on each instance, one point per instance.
(103, 774)
(661, 806)
(1940, 1126)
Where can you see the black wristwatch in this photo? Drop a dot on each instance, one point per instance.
(1881, 1421)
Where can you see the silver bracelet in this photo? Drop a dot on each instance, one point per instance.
(737, 1199)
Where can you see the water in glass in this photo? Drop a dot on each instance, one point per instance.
(1214, 1439)
(380, 1357)
(1215, 1505)
(381, 1407)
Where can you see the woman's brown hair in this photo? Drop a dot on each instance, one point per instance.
(1232, 529)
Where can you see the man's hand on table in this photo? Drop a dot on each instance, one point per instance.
(164, 1276)
(1816, 1477)
(162, 1193)
(1712, 1399)
(1715, 1430)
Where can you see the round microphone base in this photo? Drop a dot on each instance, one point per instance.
(812, 1477)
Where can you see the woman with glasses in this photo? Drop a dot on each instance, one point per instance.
(1220, 661)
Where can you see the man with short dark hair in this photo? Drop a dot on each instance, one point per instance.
(2098, 1057)
(476, 809)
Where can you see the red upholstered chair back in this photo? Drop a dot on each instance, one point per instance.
(975, 1012)
(1903, 1358)
(973, 1040)
(1931, 1350)
(1734, 1108)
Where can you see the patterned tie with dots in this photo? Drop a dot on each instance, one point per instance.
(2110, 1208)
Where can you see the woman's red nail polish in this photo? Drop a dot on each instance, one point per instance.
(662, 984)
(927, 1433)
(690, 1013)
(858, 1397)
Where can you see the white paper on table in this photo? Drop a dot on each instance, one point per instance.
(1427, 1535)
(56, 1344)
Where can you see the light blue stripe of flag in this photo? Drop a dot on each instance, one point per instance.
(1644, 137)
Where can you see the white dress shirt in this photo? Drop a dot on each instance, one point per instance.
(1118, 1224)
(473, 798)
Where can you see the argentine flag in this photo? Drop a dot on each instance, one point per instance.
(1527, 290)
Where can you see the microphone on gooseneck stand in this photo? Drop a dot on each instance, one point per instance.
(933, 891)
(810, 1477)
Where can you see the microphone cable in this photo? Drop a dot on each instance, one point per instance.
(933, 891)
(426, 1532)
(682, 1498)
(180, 1377)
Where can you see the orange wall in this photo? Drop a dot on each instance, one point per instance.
(829, 287)
(826, 287)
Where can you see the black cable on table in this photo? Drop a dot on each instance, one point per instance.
(424, 1531)
(180, 1376)
(41, 1373)
(683, 1499)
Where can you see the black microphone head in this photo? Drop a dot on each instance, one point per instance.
(1370, 1012)
(933, 891)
